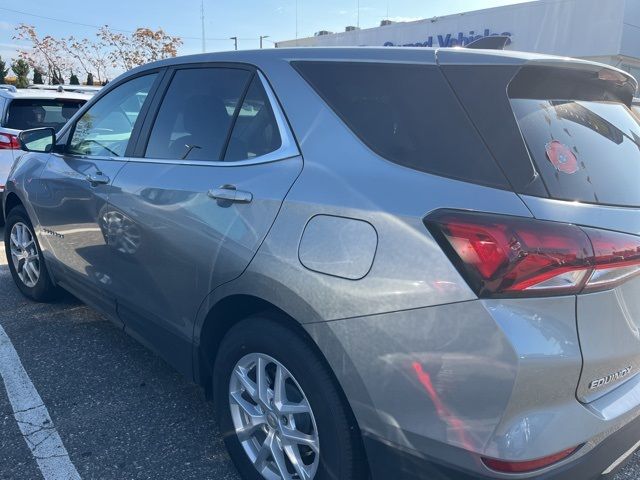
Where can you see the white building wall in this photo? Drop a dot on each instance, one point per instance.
(578, 28)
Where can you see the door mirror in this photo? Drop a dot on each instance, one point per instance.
(37, 140)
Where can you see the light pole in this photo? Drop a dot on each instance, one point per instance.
(204, 46)
(235, 41)
(261, 37)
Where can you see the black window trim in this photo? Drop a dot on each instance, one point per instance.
(288, 147)
(63, 148)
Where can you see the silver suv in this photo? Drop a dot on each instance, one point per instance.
(396, 263)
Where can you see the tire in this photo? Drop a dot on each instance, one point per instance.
(340, 454)
(42, 289)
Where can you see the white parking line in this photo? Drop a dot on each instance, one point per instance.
(33, 417)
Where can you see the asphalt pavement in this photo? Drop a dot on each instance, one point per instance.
(121, 412)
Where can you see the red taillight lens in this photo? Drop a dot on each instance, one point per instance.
(527, 466)
(514, 256)
(617, 258)
(9, 142)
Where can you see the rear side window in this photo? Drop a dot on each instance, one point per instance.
(196, 114)
(24, 114)
(406, 114)
(255, 132)
(586, 151)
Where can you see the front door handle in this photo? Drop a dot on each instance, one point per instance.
(98, 178)
(229, 193)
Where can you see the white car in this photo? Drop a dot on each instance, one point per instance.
(32, 108)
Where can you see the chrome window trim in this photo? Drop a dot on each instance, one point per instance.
(288, 147)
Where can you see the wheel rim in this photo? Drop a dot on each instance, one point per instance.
(24, 254)
(273, 419)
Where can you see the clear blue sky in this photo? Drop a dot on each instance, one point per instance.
(246, 19)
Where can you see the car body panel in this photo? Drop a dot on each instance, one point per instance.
(69, 209)
(183, 243)
(608, 322)
(482, 394)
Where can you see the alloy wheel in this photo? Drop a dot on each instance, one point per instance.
(24, 254)
(273, 419)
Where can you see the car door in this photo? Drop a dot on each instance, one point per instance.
(76, 183)
(190, 213)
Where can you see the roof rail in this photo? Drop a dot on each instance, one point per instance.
(6, 86)
(491, 42)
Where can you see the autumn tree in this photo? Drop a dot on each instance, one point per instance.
(142, 46)
(56, 58)
(90, 56)
(4, 70)
(47, 53)
(21, 68)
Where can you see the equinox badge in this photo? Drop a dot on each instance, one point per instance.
(612, 377)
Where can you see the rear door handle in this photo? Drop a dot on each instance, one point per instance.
(98, 179)
(230, 193)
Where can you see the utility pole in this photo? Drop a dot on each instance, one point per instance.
(204, 46)
(358, 20)
(296, 23)
(235, 41)
(261, 37)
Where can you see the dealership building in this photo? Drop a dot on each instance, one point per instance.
(606, 31)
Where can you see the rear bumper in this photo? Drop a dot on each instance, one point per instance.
(446, 385)
(388, 461)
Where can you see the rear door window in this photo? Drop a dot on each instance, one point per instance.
(196, 114)
(255, 132)
(407, 114)
(24, 114)
(587, 151)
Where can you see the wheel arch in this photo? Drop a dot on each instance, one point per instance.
(11, 201)
(226, 313)
(230, 310)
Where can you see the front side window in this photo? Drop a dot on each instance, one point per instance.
(197, 113)
(104, 130)
(24, 114)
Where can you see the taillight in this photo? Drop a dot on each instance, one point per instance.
(505, 256)
(617, 258)
(529, 465)
(9, 142)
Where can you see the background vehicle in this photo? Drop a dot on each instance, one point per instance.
(31, 108)
(425, 259)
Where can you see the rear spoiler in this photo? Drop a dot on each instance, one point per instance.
(491, 42)
(572, 81)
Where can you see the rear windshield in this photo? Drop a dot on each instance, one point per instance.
(407, 114)
(587, 151)
(24, 114)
